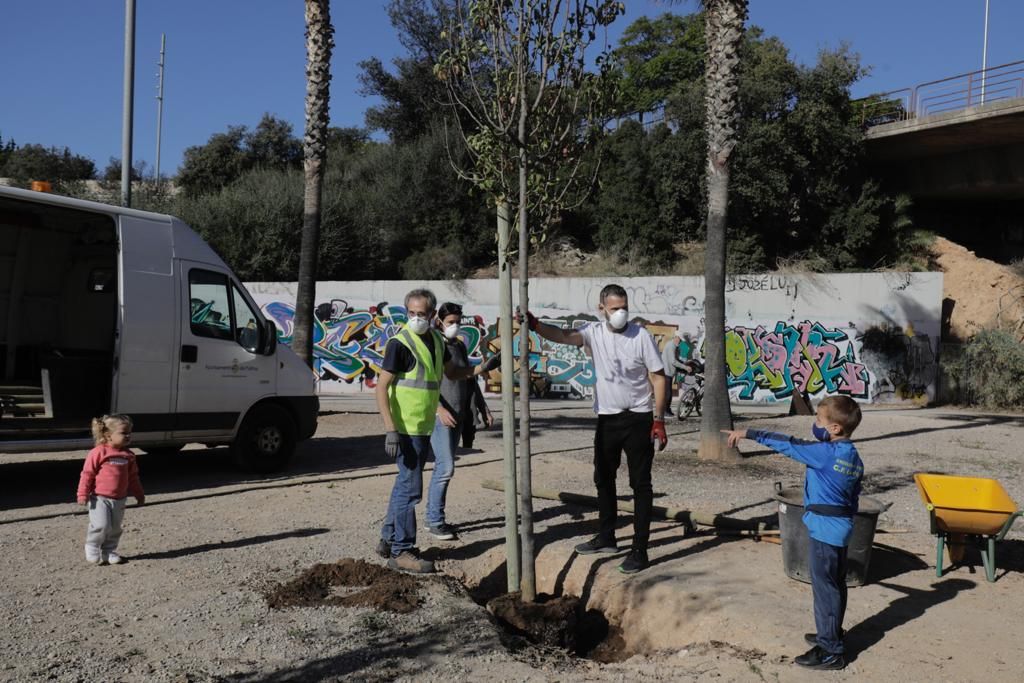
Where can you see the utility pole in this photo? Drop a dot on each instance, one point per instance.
(129, 100)
(984, 55)
(160, 104)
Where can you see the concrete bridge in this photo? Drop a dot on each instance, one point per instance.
(959, 137)
(956, 146)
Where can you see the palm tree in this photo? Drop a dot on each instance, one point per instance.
(723, 32)
(319, 42)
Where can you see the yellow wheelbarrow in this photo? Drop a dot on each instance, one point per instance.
(967, 507)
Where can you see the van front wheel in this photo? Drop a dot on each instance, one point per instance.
(266, 439)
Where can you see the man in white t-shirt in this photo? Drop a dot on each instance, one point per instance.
(629, 370)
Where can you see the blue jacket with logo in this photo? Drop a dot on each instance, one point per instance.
(834, 471)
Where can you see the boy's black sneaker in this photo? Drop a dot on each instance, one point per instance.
(816, 658)
(383, 549)
(636, 561)
(597, 545)
(812, 638)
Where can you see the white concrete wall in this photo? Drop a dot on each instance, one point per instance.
(873, 336)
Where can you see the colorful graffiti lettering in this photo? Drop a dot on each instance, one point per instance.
(764, 364)
(807, 357)
(348, 345)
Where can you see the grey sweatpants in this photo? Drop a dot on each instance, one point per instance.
(105, 515)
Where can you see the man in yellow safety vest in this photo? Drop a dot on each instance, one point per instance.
(408, 392)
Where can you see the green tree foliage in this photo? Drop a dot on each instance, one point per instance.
(799, 186)
(254, 224)
(6, 149)
(383, 206)
(991, 367)
(413, 100)
(35, 162)
(626, 211)
(112, 172)
(655, 55)
(226, 156)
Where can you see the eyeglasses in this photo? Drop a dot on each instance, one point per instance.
(421, 316)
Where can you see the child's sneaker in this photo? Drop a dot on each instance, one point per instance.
(114, 558)
(97, 561)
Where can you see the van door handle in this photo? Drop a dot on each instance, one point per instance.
(189, 353)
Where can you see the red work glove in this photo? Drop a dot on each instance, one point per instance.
(658, 434)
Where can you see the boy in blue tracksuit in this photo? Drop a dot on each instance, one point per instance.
(831, 492)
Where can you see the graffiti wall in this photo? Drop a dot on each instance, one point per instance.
(873, 337)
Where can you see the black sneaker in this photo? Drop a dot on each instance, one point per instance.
(383, 549)
(636, 561)
(816, 658)
(443, 532)
(812, 638)
(597, 545)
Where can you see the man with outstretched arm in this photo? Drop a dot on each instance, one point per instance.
(629, 368)
(408, 392)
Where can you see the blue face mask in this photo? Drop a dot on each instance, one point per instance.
(820, 433)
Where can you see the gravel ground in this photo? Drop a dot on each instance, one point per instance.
(189, 605)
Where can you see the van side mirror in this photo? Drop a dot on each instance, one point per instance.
(268, 340)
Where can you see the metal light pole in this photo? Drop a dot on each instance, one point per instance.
(160, 104)
(129, 99)
(984, 54)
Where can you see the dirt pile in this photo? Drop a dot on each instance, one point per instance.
(983, 293)
(374, 586)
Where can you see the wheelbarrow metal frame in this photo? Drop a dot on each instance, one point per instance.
(986, 543)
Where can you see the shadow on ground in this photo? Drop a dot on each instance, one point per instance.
(912, 605)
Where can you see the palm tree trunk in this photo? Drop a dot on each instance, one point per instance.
(724, 33)
(319, 41)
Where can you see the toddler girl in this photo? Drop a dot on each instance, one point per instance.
(109, 475)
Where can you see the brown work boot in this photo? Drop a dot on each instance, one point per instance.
(408, 561)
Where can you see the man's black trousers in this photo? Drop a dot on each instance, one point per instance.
(629, 432)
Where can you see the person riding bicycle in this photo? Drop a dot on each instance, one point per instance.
(684, 361)
(689, 399)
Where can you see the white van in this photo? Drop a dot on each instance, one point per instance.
(105, 309)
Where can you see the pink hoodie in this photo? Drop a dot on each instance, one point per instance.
(110, 472)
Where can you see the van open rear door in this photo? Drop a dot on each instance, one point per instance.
(145, 364)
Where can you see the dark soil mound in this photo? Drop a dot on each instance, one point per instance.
(381, 588)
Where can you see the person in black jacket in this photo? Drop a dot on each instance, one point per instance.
(456, 409)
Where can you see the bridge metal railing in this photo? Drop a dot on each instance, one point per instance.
(956, 93)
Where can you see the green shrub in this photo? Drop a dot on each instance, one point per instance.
(434, 263)
(992, 369)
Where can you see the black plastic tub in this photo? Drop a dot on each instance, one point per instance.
(796, 541)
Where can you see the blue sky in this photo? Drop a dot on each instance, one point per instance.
(228, 61)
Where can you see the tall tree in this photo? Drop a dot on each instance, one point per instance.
(517, 70)
(319, 42)
(412, 100)
(724, 25)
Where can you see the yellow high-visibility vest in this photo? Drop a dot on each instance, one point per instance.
(414, 395)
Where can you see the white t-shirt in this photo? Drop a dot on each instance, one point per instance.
(622, 361)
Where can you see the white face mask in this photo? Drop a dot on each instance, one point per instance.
(619, 318)
(418, 325)
(451, 331)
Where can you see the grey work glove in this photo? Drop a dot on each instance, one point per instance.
(391, 444)
(492, 363)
